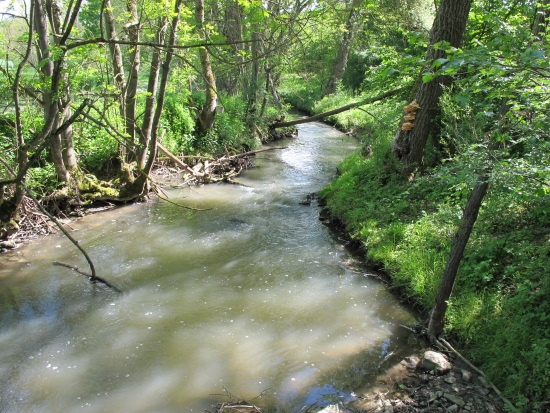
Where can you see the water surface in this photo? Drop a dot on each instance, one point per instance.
(253, 295)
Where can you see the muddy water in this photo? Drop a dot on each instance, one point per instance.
(253, 295)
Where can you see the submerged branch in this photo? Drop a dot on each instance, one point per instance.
(92, 279)
(93, 276)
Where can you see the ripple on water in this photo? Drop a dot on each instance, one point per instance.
(248, 295)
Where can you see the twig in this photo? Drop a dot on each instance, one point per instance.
(157, 191)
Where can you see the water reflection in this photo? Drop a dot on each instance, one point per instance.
(249, 295)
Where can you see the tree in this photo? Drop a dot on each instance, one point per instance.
(54, 125)
(339, 65)
(469, 217)
(421, 122)
(205, 120)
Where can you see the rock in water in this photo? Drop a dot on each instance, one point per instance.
(436, 362)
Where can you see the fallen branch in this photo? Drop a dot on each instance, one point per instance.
(92, 279)
(93, 276)
(176, 160)
(336, 111)
(240, 155)
(157, 190)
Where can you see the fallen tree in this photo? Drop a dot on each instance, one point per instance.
(323, 115)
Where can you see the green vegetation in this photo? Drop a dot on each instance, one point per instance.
(493, 121)
(474, 108)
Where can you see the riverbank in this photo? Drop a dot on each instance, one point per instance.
(499, 307)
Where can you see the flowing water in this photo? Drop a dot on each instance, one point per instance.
(253, 295)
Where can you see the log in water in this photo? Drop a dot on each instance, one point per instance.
(253, 294)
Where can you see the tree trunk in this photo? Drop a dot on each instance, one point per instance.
(146, 129)
(205, 121)
(49, 100)
(133, 30)
(140, 186)
(412, 135)
(541, 20)
(469, 217)
(119, 77)
(65, 140)
(336, 111)
(339, 66)
(232, 30)
(253, 85)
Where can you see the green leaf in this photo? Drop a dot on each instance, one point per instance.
(462, 98)
(426, 77)
(439, 62)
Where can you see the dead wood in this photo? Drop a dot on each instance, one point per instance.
(92, 279)
(93, 276)
(338, 110)
(223, 169)
(175, 159)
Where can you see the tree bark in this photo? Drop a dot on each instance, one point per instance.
(412, 136)
(133, 29)
(232, 30)
(140, 186)
(542, 18)
(146, 129)
(205, 121)
(64, 102)
(469, 217)
(119, 76)
(50, 108)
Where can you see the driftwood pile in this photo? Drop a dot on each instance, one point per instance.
(222, 169)
(239, 407)
(33, 224)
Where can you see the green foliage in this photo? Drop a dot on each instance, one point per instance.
(230, 132)
(178, 120)
(97, 151)
(42, 180)
(500, 308)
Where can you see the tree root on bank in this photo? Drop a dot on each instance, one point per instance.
(442, 343)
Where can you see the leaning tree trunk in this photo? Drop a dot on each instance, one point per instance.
(469, 217)
(422, 119)
(205, 121)
(339, 66)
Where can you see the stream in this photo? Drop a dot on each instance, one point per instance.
(254, 296)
